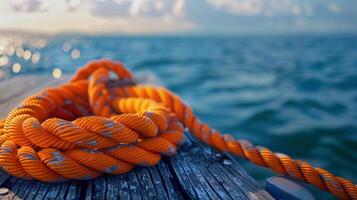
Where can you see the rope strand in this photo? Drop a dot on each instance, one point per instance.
(94, 125)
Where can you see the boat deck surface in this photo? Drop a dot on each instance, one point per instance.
(195, 172)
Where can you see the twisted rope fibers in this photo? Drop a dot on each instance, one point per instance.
(97, 124)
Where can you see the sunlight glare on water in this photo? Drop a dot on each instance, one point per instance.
(27, 55)
(75, 54)
(19, 52)
(66, 47)
(16, 68)
(35, 57)
(57, 73)
(4, 60)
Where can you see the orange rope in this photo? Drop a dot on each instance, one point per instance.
(96, 124)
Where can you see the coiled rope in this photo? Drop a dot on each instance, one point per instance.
(102, 122)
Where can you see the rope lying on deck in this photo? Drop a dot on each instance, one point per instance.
(99, 124)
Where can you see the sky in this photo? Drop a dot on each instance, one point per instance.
(178, 16)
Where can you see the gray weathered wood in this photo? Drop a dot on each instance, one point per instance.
(195, 172)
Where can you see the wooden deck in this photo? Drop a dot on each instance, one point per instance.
(195, 172)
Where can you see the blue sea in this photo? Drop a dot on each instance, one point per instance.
(295, 94)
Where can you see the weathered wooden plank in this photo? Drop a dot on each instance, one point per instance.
(244, 181)
(73, 191)
(218, 188)
(42, 191)
(11, 94)
(192, 177)
(14, 188)
(3, 177)
(24, 189)
(134, 187)
(195, 172)
(160, 189)
(205, 182)
(229, 188)
(201, 160)
(53, 191)
(124, 187)
(187, 188)
(226, 168)
(63, 191)
(89, 191)
(112, 187)
(168, 182)
(33, 190)
(14, 90)
(146, 183)
(99, 188)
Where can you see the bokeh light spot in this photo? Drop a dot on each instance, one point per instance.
(19, 52)
(27, 55)
(57, 73)
(35, 57)
(75, 54)
(16, 68)
(4, 60)
(10, 50)
(66, 47)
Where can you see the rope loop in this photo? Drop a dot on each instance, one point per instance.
(102, 122)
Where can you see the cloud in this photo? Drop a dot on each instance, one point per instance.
(262, 7)
(334, 7)
(162, 16)
(178, 8)
(110, 8)
(73, 5)
(92, 16)
(139, 8)
(296, 10)
(28, 5)
(243, 7)
(127, 8)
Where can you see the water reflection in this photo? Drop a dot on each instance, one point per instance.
(27, 55)
(22, 53)
(3, 61)
(38, 43)
(66, 47)
(75, 54)
(35, 57)
(57, 73)
(16, 68)
(10, 50)
(19, 52)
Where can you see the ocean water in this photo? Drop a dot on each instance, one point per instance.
(294, 94)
